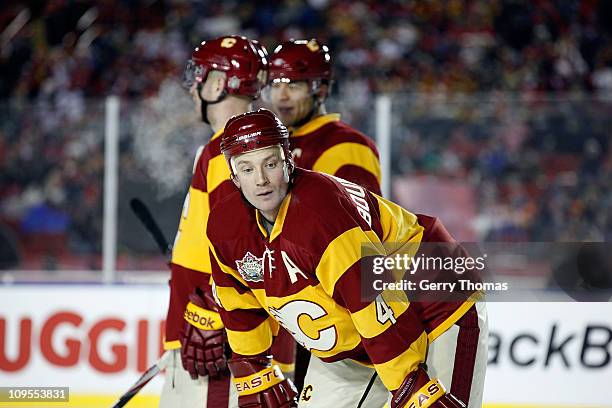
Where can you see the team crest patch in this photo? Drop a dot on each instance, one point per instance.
(250, 268)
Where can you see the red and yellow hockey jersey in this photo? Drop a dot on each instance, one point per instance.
(190, 265)
(328, 145)
(190, 257)
(324, 144)
(305, 275)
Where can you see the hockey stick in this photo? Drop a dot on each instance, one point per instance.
(218, 388)
(143, 380)
(144, 215)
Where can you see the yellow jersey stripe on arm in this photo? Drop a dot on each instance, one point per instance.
(343, 154)
(231, 299)
(191, 244)
(365, 319)
(408, 228)
(402, 234)
(251, 342)
(217, 173)
(393, 372)
(340, 254)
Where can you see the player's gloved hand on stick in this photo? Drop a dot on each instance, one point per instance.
(203, 338)
(261, 384)
(418, 390)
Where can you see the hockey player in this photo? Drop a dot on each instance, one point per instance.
(224, 76)
(300, 81)
(287, 249)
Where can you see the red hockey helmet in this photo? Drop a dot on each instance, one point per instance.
(252, 131)
(244, 61)
(301, 60)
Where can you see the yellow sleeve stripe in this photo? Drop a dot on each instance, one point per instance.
(217, 173)
(231, 299)
(340, 254)
(365, 319)
(348, 153)
(251, 342)
(171, 345)
(393, 372)
(191, 244)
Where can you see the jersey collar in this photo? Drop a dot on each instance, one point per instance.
(217, 134)
(278, 223)
(315, 124)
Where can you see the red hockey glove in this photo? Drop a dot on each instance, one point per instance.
(418, 391)
(203, 338)
(260, 384)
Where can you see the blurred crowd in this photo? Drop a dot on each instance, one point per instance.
(539, 159)
(540, 167)
(96, 48)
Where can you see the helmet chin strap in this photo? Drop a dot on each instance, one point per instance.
(205, 103)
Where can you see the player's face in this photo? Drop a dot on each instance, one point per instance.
(260, 175)
(292, 101)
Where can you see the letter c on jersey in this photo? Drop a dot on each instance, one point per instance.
(288, 316)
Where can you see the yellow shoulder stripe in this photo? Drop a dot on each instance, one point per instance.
(315, 124)
(217, 173)
(398, 224)
(348, 153)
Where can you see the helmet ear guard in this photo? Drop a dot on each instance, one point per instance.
(244, 62)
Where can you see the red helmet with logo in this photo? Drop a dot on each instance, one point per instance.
(244, 61)
(252, 131)
(301, 60)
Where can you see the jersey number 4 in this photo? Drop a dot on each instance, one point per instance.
(384, 312)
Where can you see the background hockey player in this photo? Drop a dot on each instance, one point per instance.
(300, 81)
(287, 247)
(224, 76)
